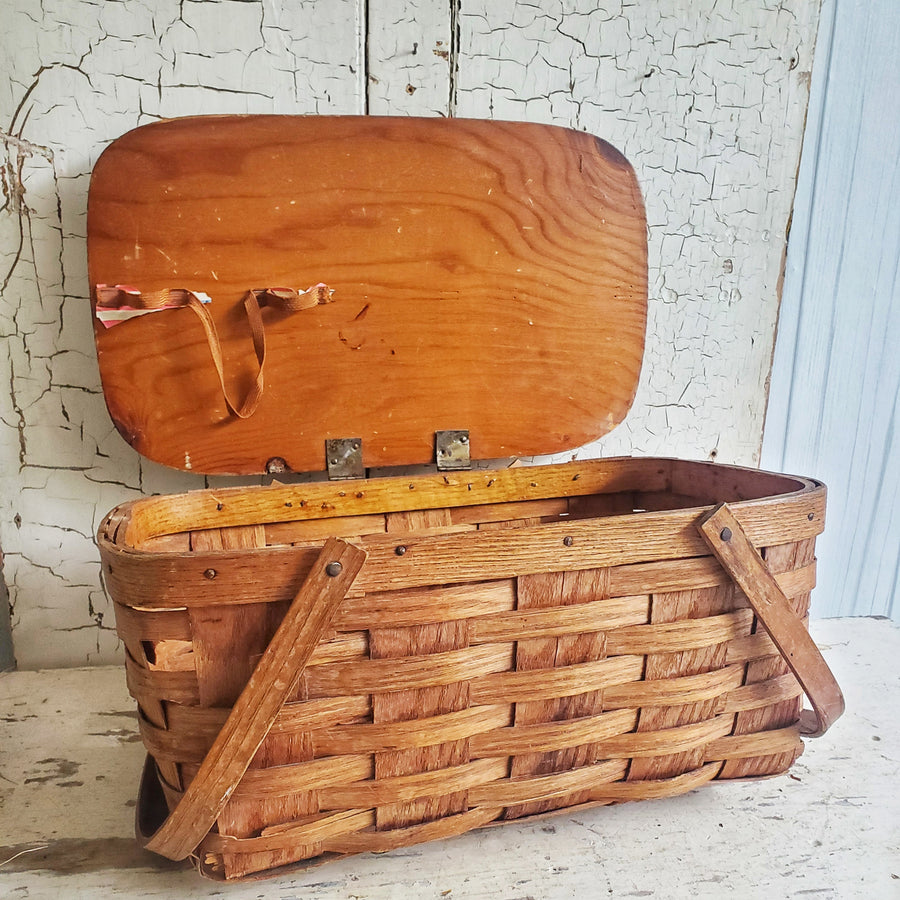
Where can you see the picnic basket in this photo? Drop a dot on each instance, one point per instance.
(358, 664)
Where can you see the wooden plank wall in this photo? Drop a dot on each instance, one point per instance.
(834, 409)
(706, 97)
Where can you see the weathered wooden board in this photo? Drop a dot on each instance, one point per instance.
(488, 276)
(835, 398)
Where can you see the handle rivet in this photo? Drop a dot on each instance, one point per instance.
(334, 569)
(400, 550)
(725, 534)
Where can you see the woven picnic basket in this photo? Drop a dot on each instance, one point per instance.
(358, 664)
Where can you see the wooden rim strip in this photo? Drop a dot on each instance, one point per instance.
(162, 580)
(217, 508)
(729, 542)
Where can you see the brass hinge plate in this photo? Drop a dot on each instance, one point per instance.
(452, 451)
(343, 457)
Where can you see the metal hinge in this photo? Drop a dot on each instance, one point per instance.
(343, 457)
(451, 450)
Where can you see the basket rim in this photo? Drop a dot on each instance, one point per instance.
(149, 517)
(169, 579)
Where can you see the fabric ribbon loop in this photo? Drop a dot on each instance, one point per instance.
(117, 303)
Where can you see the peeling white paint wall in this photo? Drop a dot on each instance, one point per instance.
(707, 99)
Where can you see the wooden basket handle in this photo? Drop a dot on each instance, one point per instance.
(741, 560)
(272, 682)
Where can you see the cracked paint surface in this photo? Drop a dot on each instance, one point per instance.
(707, 99)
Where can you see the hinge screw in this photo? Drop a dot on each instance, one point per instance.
(400, 550)
(210, 574)
(568, 541)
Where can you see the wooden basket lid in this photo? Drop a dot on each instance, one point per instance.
(487, 276)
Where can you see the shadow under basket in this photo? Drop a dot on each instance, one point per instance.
(340, 667)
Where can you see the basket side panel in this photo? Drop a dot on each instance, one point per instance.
(674, 607)
(400, 706)
(557, 589)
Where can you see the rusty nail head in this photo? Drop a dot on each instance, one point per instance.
(210, 574)
(400, 550)
(334, 569)
(725, 534)
(568, 540)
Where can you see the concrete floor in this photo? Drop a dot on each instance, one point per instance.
(70, 760)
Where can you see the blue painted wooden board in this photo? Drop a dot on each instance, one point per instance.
(835, 397)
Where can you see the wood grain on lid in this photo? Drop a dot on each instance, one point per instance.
(486, 275)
